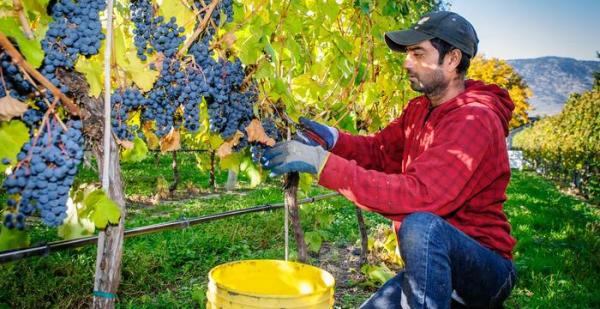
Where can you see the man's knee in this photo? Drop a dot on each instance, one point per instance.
(416, 229)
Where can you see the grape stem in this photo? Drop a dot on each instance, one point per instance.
(200, 28)
(18, 6)
(19, 61)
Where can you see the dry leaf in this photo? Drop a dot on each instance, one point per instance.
(229, 38)
(11, 108)
(227, 147)
(256, 133)
(170, 142)
(125, 144)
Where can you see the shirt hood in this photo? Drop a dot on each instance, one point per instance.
(492, 96)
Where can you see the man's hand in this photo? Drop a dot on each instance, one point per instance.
(293, 156)
(317, 134)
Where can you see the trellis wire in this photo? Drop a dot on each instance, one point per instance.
(45, 249)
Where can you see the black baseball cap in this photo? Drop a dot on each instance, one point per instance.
(444, 25)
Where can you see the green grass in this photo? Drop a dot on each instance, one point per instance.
(557, 253)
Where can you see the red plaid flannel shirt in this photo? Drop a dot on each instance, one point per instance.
(450, 160)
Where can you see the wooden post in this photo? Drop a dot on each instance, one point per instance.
(364, 238)
(231, 181)
(212, 183)
(110, 241)
(176, 177)
(291, 202)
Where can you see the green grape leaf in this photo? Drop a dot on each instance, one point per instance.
(74, 227)
(13, 135)
(248, 167)
(31, 49)
(305, 183)
(313, 241)
(13, 239)
(379, 274)
(101, 209)
(137, 153)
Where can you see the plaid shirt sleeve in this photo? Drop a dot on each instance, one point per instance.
(437, 181)
(372, 152)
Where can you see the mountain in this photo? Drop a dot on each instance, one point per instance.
(552, 79)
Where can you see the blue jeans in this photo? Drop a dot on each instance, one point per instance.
(444, 268)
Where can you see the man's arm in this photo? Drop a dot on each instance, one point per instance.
(432, 183)
(372, 151)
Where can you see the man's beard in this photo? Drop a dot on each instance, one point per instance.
(431, 86)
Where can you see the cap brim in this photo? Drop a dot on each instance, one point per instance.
(398, 40)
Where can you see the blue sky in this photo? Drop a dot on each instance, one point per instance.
(511, 29)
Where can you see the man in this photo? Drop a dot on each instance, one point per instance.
(439, 171)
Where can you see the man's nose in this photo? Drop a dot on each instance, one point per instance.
(408, 62)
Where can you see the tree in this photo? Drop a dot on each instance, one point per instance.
(497, 71)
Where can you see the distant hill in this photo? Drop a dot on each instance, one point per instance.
(552, 79)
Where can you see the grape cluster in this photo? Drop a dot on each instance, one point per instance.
(142, 14)
(14, 79)
(230, 108)
(122, 102)
(153, 33)
(45, 173)
(75, 30)
(167, 36)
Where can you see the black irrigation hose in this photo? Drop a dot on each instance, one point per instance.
(18, 254)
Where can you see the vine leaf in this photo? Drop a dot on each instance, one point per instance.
(313, 241)
(74, 226)
(13, 239)
(137, 153)
(171, 141)
(101, 209)
(31, 49)
(13, 135)
(151, 138)
(93, 70)
(231, 162)
(227, 147)
(251, 170)
(11, 108)
(256, 133)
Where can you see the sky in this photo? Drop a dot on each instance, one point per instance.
(513, 29)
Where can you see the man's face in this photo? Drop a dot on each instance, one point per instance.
(425, 74)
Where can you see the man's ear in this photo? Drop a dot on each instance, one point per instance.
(453, 58)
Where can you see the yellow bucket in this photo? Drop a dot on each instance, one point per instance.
(269, 284)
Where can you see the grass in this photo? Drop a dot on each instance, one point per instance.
(557, 254)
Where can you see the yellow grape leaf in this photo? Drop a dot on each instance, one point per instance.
(183, 13)
(11, 108)
(171, 141)
(256, 133)
(139, 72)
(231, 162)
(227, 147)
(93, 70)
(215, 140)
(120, 45)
